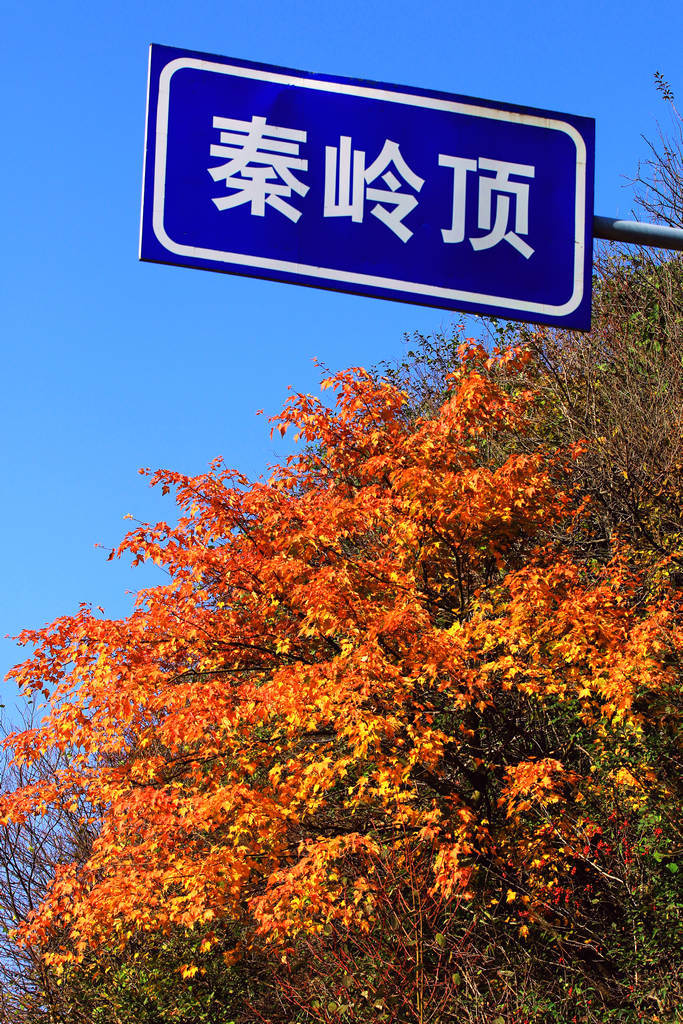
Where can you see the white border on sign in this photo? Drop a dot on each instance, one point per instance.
(348, 277)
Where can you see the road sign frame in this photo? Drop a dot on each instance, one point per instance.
(157, 245)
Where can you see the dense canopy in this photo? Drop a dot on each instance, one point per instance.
(400, 681)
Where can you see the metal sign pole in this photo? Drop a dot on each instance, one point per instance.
(638, 234)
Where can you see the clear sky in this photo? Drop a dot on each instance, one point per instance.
(110, 364)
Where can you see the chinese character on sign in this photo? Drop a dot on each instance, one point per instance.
(347, 180)
(504, 191)
(260, 163)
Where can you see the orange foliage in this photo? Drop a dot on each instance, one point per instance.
(344, 655)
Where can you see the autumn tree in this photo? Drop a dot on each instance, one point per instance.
(386, 711)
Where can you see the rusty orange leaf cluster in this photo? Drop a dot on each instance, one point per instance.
(325, 671)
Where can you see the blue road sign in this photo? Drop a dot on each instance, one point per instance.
(375, 189)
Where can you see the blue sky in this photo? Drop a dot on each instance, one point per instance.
(110, 364)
